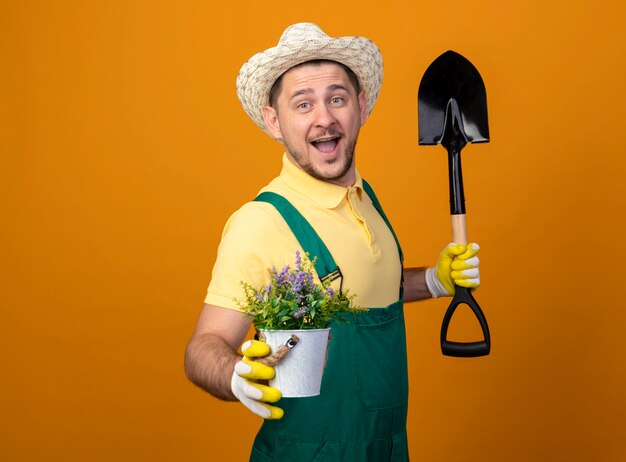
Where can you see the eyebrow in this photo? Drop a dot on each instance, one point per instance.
(306, 91)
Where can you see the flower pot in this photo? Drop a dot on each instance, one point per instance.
(299, 374)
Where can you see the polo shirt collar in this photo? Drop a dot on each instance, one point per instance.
(328, 195)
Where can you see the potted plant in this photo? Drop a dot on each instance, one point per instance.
(293, 314)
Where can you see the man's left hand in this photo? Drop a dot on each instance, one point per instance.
(457, 265)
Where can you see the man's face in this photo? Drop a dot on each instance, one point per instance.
(318, 116)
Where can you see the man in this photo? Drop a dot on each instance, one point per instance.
(313, 93)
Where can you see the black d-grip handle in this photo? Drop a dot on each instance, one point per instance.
(463, 295)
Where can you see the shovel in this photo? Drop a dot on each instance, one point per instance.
(452, 111)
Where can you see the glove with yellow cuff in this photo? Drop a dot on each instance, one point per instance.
(243, 384)
(458, 264)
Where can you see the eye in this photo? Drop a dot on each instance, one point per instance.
(304, 105)
(336, 100)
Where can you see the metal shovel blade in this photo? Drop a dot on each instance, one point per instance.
(452, 77)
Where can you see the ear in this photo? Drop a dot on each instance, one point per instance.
(363, 107)
(270, 117)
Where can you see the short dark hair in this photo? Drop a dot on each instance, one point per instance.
(275, 90)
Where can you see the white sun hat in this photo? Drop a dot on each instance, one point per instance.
(301, 43)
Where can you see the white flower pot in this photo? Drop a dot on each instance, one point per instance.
(299, 374)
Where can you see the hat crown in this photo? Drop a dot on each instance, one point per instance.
(300, 33)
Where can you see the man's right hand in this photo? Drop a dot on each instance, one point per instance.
(253, 395)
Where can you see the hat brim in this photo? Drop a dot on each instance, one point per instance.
(258, 75)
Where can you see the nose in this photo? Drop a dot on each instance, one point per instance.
(324, 116)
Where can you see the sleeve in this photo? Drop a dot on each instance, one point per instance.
(255, 239)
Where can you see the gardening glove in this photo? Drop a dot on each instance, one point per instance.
(458, 264)
(243, 384)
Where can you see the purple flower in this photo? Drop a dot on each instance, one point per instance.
(298, 282)
(301, 312)
(330, 292)
(283, 274)
(298, 260)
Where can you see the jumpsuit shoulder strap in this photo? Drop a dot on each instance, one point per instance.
(370, 192)
(307, 237)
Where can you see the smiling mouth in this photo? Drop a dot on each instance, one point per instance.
(326, 145)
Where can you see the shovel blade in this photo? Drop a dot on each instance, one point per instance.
(452, 77)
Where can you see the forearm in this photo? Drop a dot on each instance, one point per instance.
(415, 287)
(209, 363)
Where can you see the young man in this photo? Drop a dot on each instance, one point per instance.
(313, 93)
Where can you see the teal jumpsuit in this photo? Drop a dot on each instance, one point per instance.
(360, 414)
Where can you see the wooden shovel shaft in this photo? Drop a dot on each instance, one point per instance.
(459, 229)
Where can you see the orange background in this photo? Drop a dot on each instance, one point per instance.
(124, 150)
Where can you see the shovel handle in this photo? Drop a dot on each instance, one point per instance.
(453, 140)
(463, 295)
